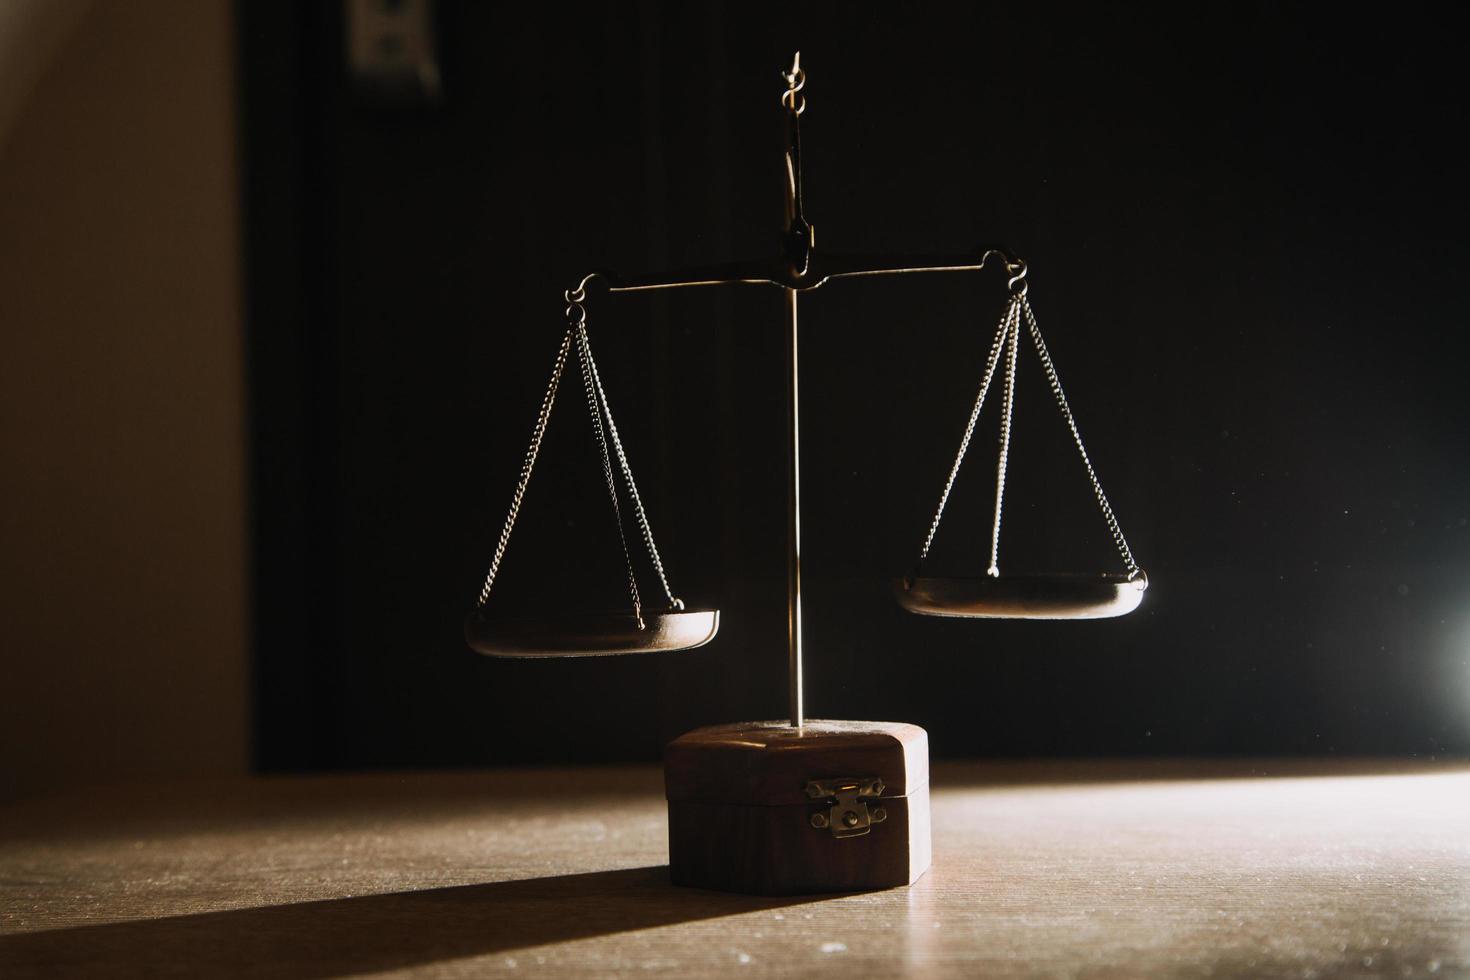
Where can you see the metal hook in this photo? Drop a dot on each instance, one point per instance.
(1017, 270)
(576, 313)
(795, 73)
(579, 292)
(795, 81)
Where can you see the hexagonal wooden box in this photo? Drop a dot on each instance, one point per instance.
(769, 809)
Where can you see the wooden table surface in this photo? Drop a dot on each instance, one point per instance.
(1084, 869)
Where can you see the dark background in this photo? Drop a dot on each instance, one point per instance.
(1244, 226)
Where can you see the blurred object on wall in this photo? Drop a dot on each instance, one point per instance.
(392, 52)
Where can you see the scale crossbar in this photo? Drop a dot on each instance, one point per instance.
(822, 270)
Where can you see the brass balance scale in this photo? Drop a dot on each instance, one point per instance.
(799, 806)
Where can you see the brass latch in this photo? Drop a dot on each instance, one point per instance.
(849, 815)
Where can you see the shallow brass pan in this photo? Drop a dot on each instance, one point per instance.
(1059, 596)
(590, 634)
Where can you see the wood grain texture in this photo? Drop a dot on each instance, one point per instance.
(767, 850)
(1088, 870)
(740, 817)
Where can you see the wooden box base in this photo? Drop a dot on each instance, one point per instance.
(767, 809)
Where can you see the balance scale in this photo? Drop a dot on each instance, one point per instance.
(798, 806)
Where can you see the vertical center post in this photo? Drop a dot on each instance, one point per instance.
(793, 517)
(798, 250)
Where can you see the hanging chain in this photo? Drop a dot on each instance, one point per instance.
(598, 405)
(1008, 335)
(1013, 336)
(537, 434)
(675, 603)
(584, 354)
(990, 363)
(1119, 541)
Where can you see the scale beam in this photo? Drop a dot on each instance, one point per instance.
(821, 269)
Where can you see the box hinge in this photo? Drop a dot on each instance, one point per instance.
(848, 814)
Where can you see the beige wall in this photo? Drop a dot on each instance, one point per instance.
(122, 546)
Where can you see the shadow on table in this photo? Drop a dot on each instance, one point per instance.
(374, 932)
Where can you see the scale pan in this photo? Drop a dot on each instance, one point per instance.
(589, 635)
(1022, 596)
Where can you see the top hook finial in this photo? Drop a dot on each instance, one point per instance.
(795, 79)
